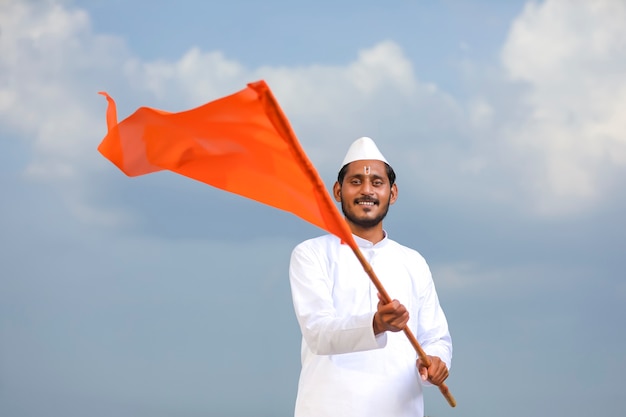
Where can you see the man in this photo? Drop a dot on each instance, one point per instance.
(355, 359)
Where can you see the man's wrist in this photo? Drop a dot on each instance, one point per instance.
(378, 328)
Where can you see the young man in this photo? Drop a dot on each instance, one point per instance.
(355, 359)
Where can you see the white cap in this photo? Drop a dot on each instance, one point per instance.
(363, 148)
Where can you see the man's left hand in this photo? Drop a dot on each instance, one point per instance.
(436, 373)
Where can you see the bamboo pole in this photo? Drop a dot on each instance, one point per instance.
(409, 334)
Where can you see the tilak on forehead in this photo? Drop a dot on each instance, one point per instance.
(363, 149)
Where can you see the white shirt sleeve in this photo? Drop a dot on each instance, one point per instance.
(324, 332)
(432, 332)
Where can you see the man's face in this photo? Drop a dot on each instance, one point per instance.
(365, 193)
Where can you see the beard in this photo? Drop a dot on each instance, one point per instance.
(365, 223)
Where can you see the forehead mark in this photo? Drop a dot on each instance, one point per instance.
(366, 170)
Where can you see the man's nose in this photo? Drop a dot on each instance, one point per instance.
(366, 188)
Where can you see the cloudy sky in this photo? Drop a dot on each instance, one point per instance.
(160, 296)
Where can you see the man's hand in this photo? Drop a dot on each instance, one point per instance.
(391, 317)
(436, 373)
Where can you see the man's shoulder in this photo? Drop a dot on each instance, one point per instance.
(317, 249)
(406, 251)
(318, 243)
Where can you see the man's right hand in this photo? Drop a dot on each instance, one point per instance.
(391, 317)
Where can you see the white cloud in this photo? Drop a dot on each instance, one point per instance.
(53, 66)
(571, 55)
(192, 80)
(52, 62)
(326, 101)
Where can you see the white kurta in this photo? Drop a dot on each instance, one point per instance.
(346, 370)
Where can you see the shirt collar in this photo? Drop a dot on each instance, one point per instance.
(363, 243)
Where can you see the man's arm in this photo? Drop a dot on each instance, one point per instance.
(434, 337)
(325, 331)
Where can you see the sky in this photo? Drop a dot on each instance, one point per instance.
(159, 296)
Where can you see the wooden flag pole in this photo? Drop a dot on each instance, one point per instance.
(387, 299)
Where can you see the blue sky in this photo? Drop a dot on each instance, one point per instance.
(159, 296)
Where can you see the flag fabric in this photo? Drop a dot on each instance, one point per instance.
(241, 143)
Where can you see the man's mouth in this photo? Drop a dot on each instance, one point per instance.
(366, 203)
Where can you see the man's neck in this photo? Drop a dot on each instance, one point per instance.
(372, 234)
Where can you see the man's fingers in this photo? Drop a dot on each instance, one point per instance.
(390, 307)
(394, 321)
(437, 373)
(401, 321)
(439, 379)
(423, 373)
(393, 315)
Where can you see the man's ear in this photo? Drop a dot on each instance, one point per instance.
(394, 193)
(337, 192)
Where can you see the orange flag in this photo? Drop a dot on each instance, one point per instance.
(241, 143)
